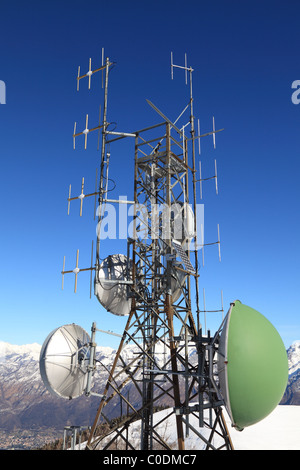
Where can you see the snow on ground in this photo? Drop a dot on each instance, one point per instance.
(278, 431)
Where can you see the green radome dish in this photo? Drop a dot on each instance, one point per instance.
(252, 365)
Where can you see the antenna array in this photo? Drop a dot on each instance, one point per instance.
(152, 284)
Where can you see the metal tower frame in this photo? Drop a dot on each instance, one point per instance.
(161, 269)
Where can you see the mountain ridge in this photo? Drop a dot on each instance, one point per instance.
(25, 402)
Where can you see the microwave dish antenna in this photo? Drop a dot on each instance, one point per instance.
(64, 361)
(111, 284)
(252, 365)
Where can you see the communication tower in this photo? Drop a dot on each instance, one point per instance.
(154, 285)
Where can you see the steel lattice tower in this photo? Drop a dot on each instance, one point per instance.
(173, 361)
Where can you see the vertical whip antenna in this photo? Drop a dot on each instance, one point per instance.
(63, 271)
(199, 145)
(200, 180)
(76, 271)
(96, 193)
(214, 133)
(74, 134)
(219, 243)
(81, 196)
(86, 130)
(78, 77)
(69, 200)
(90, 72)
(216, 177)
(91, 275)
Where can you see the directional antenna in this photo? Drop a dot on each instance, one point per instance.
(199, 144)
(111, 281)
(90, 72)
(82, 196)
(218, 242)
(243, 374)
(64, 361)
(215, 177)
(77, 270)
(85, 131)
(205, 311)
(213, 133)
(185, 68)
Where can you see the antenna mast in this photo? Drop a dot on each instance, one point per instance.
(155, 281)
(164, 359)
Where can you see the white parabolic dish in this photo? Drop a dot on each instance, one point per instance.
(113, 295)
(64, 360)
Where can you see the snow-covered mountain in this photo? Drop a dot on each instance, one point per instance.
(292, 393)
(294, 357)
(24, 401)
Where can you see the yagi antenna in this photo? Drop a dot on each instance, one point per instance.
(82, 196)
(90, 72)
(199, 138)
(77, 270)
(218, 242)
(215, 177)
(185, 68)
(213, 133)
(211, 311)
(85, 132)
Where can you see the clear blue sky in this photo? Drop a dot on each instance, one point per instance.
(245, 55)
